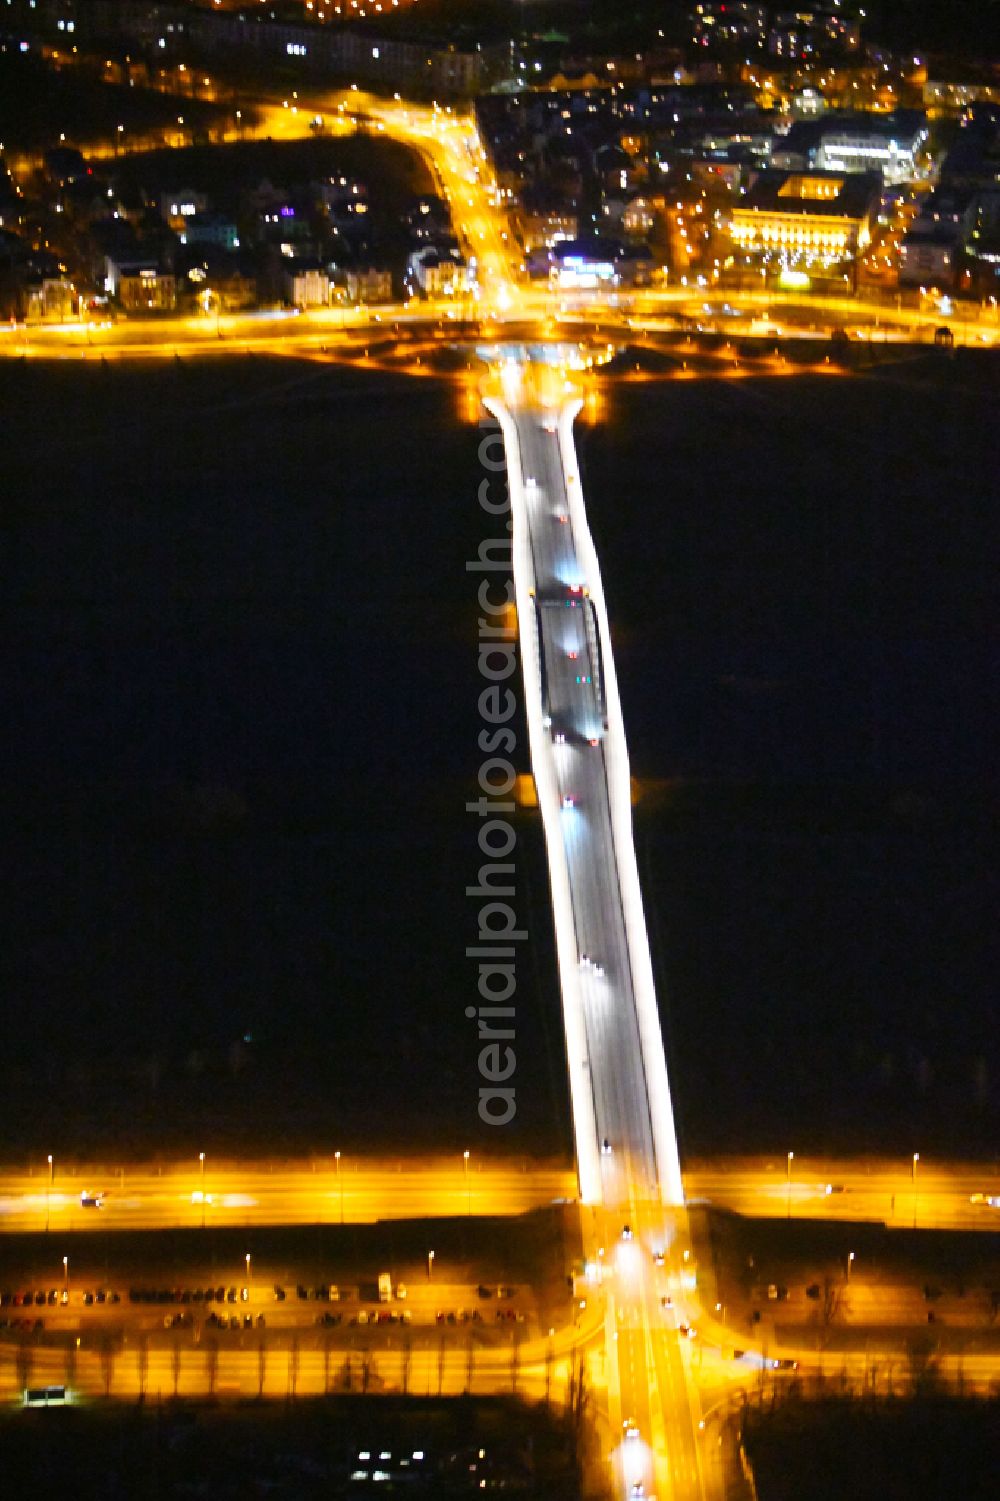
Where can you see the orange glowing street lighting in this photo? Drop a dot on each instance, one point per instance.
(788, 1184)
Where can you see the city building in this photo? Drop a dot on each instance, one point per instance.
(182, 204)
(545, 227)
(973, 159)
(928, 257)
(182, 31)
(366, 284)
(141, 286)
(728, 23)
(307, 284)
(641, 215)
(814, 217)
(440, 271)
(598, 263)
(210, 229)
(953, 97)
(218, 280)
(982, 245)
(856, 143)
(50, 299)
(891, 143)
(815, 31)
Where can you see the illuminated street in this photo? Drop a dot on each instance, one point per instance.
(225, 1193)
(949, 1196)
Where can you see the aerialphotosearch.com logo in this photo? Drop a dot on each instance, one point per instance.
(498, 933)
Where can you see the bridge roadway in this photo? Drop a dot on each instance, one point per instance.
(635, 1227)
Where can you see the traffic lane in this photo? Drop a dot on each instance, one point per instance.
(609, 1010)
(635, 1448)
(663, 1239)
(571, 678)
(612, 1028)
(850, 1191)
(665, 1438)
(232, 1196)
(680, 1429)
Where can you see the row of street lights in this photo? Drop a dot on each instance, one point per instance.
(340, 1186)
(790, 1158)
(203, 1198)
(247, 1261)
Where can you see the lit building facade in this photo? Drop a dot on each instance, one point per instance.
(806, 218)
(892, 147)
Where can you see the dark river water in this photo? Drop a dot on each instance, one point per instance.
(240, 716)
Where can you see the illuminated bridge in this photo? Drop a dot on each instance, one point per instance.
(620, 1093)
(635, 1230)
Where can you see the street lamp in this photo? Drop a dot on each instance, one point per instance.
(913, 1179)
(788, 1185)
(249, 1274)
(850, 1260)
(340, 1185)
(468, 1190)
(201, 1159)
(430, 1264)
(48, 1191)
(66, 1273)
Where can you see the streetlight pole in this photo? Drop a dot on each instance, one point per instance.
(66, 1275)
(850, 1261)
(913, 1179)
(201, 1159)
(249, 1273)
(788, 1185)
(340, 1185)
(48, 1191)
(430, 1264)
(468, 1189)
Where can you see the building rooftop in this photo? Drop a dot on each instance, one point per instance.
(833, 194)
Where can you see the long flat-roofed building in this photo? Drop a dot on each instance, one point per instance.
(850, 142)
(808, 217)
